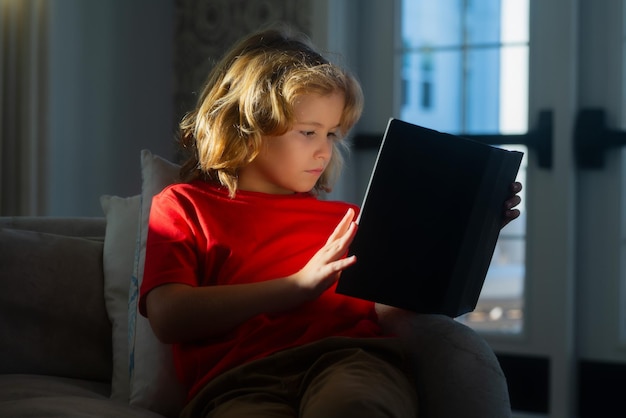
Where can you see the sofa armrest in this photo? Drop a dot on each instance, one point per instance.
(457, 372)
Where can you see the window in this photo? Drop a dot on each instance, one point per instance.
(465, 70)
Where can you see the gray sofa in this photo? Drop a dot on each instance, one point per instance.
(73, 345)
(55, 334)
(57, 350)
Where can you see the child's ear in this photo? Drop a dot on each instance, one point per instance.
(254, 147)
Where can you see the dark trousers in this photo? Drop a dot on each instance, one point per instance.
(335, 377)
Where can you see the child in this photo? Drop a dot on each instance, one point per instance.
(242, 257)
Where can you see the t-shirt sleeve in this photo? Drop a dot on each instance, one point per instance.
(171, 255)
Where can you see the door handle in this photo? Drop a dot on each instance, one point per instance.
(538, 139)
(592, 138)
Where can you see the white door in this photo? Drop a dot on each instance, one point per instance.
(574, 284)
(571, 352)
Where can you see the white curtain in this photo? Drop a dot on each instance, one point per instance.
(23, 106)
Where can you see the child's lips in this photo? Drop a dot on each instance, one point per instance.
(316, 171)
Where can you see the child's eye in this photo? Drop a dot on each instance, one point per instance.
(334, 136)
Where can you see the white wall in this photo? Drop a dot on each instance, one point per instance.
(110, 95)
(111, 92)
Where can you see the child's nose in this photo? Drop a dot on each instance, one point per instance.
(326, 148)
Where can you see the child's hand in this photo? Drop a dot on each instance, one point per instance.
(514, 199)
(324, 268)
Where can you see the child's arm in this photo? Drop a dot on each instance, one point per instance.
(180, 313)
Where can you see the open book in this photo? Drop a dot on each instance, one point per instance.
(430, 220)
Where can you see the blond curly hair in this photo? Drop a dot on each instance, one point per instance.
(250, 94)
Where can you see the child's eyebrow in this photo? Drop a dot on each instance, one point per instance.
(313, 123)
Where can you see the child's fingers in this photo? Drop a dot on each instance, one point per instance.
(342, 226)
(337, 249)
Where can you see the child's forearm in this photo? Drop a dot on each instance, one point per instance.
(180, 313)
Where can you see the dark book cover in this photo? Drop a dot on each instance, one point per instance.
(430, 221)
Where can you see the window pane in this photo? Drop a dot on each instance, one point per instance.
(465, 71)
(514, 22)
(433, 89)
(452, 23)
(514, 89)
(459, 91)
(422, 23)
(482, 104)
(482, 19)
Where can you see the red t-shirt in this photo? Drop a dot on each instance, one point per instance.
(199, 236)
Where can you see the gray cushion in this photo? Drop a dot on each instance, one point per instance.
(52, 314)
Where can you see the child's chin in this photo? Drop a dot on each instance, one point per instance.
(303, 189)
